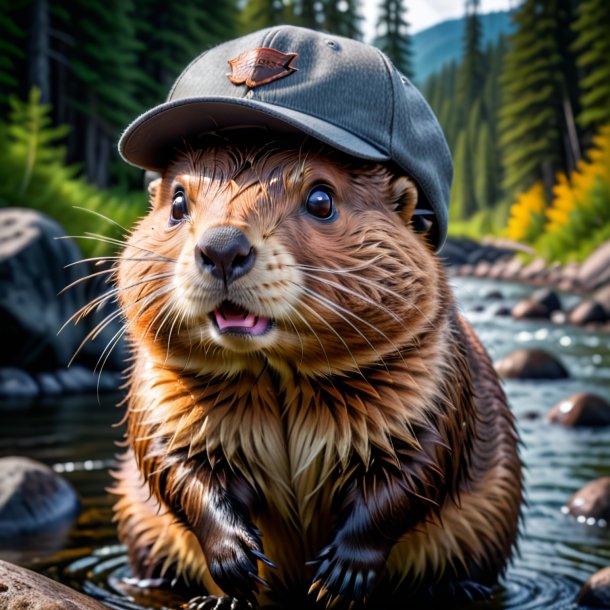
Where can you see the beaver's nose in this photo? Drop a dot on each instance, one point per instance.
(225, 252)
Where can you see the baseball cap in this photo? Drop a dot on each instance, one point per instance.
(339, 91)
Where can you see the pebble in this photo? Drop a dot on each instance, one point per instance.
(591, 502)
(531, 364)
(582, 409)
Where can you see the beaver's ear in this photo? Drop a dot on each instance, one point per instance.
(153, 187)
(404, 197)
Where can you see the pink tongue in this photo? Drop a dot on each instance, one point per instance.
(227, 319)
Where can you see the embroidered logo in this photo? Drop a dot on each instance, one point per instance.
(260, 66)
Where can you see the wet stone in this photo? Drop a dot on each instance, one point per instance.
(531, 364)
(530, 309)
(595, 593)
(22, 589)
(582, 409)
(548, 298)
(591, 504)
(587, 312)
(33, 498)
(502, 310)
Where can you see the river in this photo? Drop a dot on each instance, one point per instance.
(556, 552)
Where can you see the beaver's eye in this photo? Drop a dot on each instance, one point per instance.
(320, 203)
(179, 208)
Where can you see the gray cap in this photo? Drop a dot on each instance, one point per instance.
(342, 92)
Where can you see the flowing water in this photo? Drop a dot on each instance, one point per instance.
(556, 552)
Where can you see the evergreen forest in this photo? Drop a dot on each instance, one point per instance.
(527, 117)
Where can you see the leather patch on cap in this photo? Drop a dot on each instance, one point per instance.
(260, 66)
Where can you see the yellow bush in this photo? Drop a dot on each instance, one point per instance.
(569, 195)
(525, 214)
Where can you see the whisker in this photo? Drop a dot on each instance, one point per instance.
(108, 240)
(363, 280)
(143, 301)
(336, 309)
(358, 295)
(85, 278)
(325, 322)
(100, 259)
(100, 215)
(314, 333)
(99, 301)
(342, 270)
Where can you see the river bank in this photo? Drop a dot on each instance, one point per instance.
(504, 261)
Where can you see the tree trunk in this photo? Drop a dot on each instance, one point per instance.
(38, 49)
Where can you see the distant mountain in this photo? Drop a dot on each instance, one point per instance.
(442, 43)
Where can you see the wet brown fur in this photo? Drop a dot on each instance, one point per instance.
(367, 431)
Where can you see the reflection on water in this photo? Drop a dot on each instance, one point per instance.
(557, 554)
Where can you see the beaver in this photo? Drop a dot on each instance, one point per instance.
(309, 417)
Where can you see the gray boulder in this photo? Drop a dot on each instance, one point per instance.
(33, 498)
(36, 264)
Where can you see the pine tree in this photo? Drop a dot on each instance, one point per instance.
(343, 17)
(536, 125)
(593, 48)
(258, 14)
(12, 43)
(472, 70)
(393, 36)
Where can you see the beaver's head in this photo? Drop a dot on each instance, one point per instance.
(285, 253)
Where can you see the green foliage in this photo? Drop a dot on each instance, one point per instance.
(33, 173)
(174, 34)
(12, 38)
(258, 14)
(587, 229)
(471, 76)
(470, 125)
(393, 36)
(539, 95)
(593, 47)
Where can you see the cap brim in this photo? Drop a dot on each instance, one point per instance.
(153, 138)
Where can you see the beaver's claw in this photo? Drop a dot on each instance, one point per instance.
(347, 575)
(213, 602)
(232, 557)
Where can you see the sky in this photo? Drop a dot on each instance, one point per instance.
(425, 13)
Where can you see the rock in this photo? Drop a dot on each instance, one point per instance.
(582, 409)
(595, 271)
(35, 266)
(22, 589)
(540, 305)
(531, 364)
(587, 312)
(482, 269)
(530, 309)
(602, 296)
(502, 310)
(512, 269)
(493, 295)
(455, 251)
(17, 384)
(591, 504)
(595, 593)
(32, 497)
(534, 269)
(548, 298)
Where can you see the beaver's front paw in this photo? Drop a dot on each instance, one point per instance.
(213, 602)
(347, 573)
(232, 552)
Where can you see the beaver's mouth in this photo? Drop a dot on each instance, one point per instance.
(230, 318)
